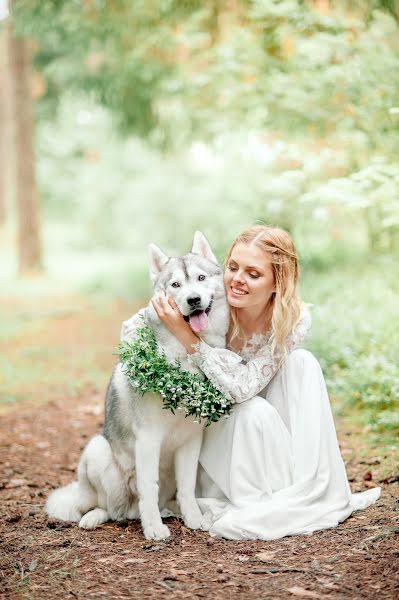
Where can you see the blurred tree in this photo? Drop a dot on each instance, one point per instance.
(171, 71)
(391, 6)
(127, 54)
(27, 209)
(4, 125)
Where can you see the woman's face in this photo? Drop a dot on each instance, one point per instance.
(249, 277)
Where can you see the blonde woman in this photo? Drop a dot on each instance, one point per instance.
(273, 468)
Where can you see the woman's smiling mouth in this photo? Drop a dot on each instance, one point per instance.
(237, 291)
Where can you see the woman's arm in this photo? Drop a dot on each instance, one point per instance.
(239, 381)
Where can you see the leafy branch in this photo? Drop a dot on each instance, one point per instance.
(148, 370)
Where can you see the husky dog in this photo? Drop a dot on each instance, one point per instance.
(148, 456)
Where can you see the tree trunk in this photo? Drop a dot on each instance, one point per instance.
(27, 201)
(4, 126)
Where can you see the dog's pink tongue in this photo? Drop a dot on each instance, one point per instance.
(199, 322)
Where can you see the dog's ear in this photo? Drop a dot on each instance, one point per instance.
(157, 260)
(201, 246)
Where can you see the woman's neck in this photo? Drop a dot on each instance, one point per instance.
(253, 321)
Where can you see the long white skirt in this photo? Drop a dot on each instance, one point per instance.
(274, 467)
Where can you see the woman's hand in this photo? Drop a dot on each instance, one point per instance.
(168, 312)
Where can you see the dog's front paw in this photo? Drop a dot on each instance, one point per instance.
(199, 521)
(157, 531)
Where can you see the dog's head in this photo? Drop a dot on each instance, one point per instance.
(193, 280)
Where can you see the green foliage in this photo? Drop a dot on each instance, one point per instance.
(370, 194)
(148, 370)
(105, 198)
(172, 71)
(374, 387)
(123, 53)
(370, 383)
(355, 335)
(334, 82)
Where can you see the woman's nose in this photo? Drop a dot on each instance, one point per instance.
(238, 277)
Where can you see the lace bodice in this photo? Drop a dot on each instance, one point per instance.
(241, 376)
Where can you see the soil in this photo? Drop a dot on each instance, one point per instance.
(45, 559)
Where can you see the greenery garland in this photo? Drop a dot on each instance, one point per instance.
(148, 370)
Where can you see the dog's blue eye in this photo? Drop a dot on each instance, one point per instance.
(175, 284)
(201, 277)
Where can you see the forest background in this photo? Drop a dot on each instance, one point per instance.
(134, 121)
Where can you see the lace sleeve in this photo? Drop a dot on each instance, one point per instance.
(131, 325)
(239, 381)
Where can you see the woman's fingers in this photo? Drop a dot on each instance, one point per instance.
(158, 297)
(155, 305)
(163, 304)
(172, 303)
(169, 313)
(167, 303)
(156, 302)
(163, 300)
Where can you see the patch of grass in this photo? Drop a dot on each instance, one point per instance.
(69, 348)
(378, 449)
(14, 323)
(355, 335)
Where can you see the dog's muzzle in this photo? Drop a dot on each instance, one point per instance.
(198, 319)
(198, 312)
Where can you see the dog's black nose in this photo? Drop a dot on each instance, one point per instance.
(194, 300)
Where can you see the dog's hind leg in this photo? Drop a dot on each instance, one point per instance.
(87, 494)
(72, 501)
(93, 464)
(186, 463)
(94, 518)
(148, 446)
(117, 493)
(133, 511)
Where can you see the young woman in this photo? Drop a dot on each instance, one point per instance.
(273, 468)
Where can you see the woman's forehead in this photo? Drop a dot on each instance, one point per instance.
(250, 255)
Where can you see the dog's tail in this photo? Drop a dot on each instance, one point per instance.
(71, 502)
(63, 503)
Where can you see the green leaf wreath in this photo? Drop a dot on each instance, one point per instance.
(149, 371)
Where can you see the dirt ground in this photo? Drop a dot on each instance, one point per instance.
(44, 559)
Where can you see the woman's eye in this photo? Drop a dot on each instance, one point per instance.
(232, 268)
(254, 275)
(201, 277)
(175, 284)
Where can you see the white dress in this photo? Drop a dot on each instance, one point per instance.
(273, 467)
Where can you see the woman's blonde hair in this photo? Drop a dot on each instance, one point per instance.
(285, 301)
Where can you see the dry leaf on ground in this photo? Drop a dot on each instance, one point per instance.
(301, 592)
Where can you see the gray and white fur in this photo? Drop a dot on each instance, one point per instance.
(147, 457)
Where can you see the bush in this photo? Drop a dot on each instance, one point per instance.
(356, 338)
